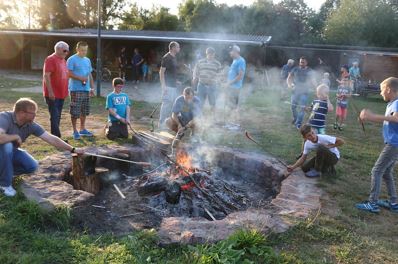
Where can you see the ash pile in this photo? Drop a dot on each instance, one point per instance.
(177, 188)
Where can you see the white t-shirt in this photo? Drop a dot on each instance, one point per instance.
(324, 140)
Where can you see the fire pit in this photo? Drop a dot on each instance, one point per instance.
(200, 194)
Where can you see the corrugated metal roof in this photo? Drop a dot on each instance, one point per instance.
(148, 35)
(378, 51)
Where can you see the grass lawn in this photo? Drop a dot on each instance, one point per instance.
(340, 234)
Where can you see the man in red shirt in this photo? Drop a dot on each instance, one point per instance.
(55, 84)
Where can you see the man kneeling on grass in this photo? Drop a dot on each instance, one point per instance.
(118, 105)
(186, 110)
(385, 164)
(327, 154)
(15, 128)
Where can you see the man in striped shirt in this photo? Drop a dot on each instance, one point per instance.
(205, 78)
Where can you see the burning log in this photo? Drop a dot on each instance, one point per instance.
(84, 174)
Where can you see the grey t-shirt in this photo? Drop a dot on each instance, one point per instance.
(302, 79)
(186, 111)
(9, 124)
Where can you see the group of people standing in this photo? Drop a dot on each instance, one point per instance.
(73, 77)
(141, 68)
(206, 82)
(300, 79)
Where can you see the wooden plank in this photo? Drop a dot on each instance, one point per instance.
(155, 138)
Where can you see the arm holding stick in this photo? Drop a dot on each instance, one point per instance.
(367, 115)
(298, 163)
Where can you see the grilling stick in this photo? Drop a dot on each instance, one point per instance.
(112, 158)
(252, 139)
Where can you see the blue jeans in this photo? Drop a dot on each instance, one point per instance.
(207, 91)
(167, 104)
(14, 161)
(384, 168)
(55, 109)
(298, 100)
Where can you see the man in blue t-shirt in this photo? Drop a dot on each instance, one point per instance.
(186, 110)
(384, 166)
(236, 75)
(118, 106)
(81, 87)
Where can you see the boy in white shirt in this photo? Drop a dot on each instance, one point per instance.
(327, 154)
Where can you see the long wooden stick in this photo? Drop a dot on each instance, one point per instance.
(208, 212)
(112, 158)
(358, 114)
(119, 191)
(252, 139)
(154, 110)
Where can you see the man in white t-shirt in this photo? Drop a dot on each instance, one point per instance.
(327, 154)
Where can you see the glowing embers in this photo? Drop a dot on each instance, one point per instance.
(181, 189)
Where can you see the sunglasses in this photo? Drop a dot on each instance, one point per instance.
(65, 51)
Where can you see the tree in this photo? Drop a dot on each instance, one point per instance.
(363, 22)
(202, 16)
(6, 19)
(53, 14)
(143, 19)
(161, 19)
(58, 14)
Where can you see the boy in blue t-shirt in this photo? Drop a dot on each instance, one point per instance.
(118, 106)
(384, 166)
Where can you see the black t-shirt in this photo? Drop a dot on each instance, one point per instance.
(170, 63)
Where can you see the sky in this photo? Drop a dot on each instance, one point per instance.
(173, 4)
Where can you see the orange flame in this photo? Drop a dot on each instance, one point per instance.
(183, 159)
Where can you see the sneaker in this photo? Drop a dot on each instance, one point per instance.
(312, 173)
(335, 126)
(76, 135)
(340, 128)
(393, 207)
(85, 133)
(368, 206)
(8, 191)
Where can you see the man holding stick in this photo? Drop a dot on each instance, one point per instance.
(118, 105)
(15, 128)
(327, 154)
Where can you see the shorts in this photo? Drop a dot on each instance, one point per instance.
(341, 111)
(116, 130)
(79, 104)
(233, 98)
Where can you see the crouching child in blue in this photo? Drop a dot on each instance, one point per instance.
(384, 166)
(118, 105)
